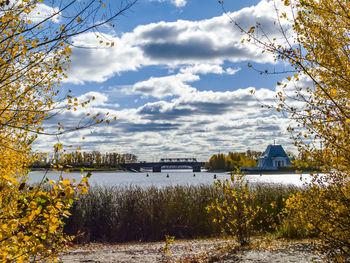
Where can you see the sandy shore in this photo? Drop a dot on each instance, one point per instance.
(213, 250)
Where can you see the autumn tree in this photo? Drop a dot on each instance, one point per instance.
(230, 162)
(315, 41)
(35, 45)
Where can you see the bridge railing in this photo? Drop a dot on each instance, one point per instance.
(162, 160)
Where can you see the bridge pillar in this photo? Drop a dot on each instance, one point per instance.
(196, 168)
(156, 169)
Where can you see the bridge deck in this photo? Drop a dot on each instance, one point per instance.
(157, 166)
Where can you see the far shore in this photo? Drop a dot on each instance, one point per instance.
(76, 169)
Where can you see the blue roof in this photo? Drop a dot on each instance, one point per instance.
(272, 151)
(275, 151)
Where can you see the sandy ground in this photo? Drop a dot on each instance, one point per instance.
(192, 251)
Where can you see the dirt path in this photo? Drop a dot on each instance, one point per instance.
(199, 250)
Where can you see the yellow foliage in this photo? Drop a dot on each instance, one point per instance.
(230, 162)
(318, 51)
(321, 54)
(325, 211)
(33, 61)
(323, 32)
(236, 212)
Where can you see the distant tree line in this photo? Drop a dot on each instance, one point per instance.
(305, 161)
(233, 160)
(77, 159)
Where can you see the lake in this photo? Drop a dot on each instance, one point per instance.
(166, 178)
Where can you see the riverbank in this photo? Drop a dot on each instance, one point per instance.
(268, 250)
(280, 171)
(77, 169)
(124, 225)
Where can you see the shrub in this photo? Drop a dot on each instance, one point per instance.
(236, 212)
(325, 211)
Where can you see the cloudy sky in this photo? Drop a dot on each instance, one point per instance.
(177, 79)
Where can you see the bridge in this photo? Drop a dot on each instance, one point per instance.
(173, 163)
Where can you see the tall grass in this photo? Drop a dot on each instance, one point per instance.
(114, 214)
(271, 198)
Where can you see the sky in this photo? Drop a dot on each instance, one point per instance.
(178, 81)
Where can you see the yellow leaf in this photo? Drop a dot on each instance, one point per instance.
(84, 180)
(66, 182)
(68, 50)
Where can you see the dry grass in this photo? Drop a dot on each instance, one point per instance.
(134, 214)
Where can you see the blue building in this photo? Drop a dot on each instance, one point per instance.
(274, 157)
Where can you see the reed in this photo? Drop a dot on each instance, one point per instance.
(271, 198)
(114, 214)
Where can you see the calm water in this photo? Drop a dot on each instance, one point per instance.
(176, 177)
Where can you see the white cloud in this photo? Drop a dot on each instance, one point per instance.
(173, 44)
(96, 98)
(41, 12)
(232, 71)
(165, 86)
(197, 123)
(99, 64)
(203, 69)
(176, 85)
(183, 121)
(177, 3)
(208, 69)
